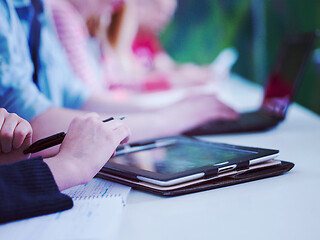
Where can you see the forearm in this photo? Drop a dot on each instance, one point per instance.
(155, 124)
(108, 103)
(144, 124)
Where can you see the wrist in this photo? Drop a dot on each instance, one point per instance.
(64, 173)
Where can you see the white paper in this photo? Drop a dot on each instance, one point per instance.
(96, 214)
(99, 188)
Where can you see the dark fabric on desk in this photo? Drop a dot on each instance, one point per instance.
(28, 189)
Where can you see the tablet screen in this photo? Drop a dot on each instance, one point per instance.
(179, 157)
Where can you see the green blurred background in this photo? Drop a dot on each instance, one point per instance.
(201, 29)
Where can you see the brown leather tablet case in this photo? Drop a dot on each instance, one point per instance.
(259, 171)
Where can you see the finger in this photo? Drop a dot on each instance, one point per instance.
(225, 115)
(231, 113)
(227, 112)
(7, 130)
(126, 139)
(226, 108)
(22, 132)
(122, 134)
(2, 117)
(221, 107)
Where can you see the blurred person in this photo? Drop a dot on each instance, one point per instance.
(143, 61)
(93, 54)
(136, 58)
(103, 52)
(90, 34)
(31, 187)
(37, 83)
(123, 71)
(70, 18)
(153, 17)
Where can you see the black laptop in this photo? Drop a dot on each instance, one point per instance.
(279, 90)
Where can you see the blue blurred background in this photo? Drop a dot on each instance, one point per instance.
(201, 29)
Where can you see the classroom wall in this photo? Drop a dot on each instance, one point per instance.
(201, 29)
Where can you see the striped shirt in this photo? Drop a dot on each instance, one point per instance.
(74, 37)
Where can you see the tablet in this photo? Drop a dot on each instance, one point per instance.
(174, 160)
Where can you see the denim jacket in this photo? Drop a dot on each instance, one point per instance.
(57, 84)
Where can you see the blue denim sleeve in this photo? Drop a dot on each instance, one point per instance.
(18, 93)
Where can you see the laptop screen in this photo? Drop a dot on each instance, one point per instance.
(287, 73)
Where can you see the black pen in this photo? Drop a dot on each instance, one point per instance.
(54, 140)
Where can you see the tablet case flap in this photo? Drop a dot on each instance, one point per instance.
(247, 176)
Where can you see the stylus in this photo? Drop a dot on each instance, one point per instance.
(54, 140)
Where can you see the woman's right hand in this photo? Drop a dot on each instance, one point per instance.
(88, 145)
(193, 111)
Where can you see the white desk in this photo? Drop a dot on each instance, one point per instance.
(284, 207)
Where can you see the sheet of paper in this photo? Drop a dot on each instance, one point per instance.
(96, 215)
(99, 188)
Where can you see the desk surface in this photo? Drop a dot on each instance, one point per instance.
(283, 207)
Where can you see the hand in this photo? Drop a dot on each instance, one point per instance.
(189, 74)
(194, 111)
(88, 145)
(15, 136)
